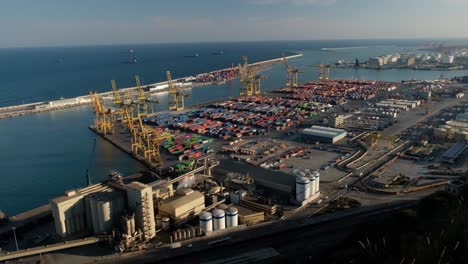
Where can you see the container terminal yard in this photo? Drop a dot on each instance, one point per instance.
(319, 155)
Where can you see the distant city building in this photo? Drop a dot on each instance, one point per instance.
(375, 62)
(448, 59)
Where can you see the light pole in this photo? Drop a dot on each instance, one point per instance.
(14, 235)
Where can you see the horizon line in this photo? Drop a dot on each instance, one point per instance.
(227, 41)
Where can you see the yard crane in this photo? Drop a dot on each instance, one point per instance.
(176, 96)
(115, 92)
(376, 136)
(324, 71)
(257, 83)
(145, 104)
(247, 78)
(292, 74)
(146, 141)
(123, 100)
(103, 117)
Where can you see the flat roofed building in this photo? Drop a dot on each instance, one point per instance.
(185, 203)
(249, 217)
(454, 152)
(69, 211)
(323, 134)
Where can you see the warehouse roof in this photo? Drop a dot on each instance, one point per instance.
(323, 131)
(178, 200)
(454, 151)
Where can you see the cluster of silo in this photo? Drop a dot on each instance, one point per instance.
(219, 219)
(103, 208)
(307, 184)
(128, 224)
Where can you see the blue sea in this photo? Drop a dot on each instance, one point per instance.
(44, 154)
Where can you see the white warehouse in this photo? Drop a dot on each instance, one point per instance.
(323, 134)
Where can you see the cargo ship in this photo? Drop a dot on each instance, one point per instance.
(191, 56)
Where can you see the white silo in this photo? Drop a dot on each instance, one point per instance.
(219, 219)
(317, 183)
(232, 217)
(206, 222)
(312, 185)
(166, 222)
(302, 188)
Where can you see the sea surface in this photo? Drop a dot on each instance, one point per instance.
(42, 155)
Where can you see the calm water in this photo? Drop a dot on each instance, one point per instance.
(42, 155)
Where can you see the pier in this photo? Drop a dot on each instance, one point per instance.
(45, 106)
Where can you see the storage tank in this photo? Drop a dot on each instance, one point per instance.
(302, 188)
(440, 133)
(317, 183)
(166, 222)
(232, 217)
(206, 222)
(105, 222)
(312, 186)
(158, 221)
(219, 219)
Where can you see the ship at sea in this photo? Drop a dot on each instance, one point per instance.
(219, 52)
(191, 56)
(132, 58)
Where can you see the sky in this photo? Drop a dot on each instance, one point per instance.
(25, 23)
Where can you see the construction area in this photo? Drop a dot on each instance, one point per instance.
(232, 164)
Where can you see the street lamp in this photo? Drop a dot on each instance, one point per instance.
(14, 235)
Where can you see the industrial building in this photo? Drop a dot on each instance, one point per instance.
(98, 208)
(399, 104)
(71, 215)
(185, 203)
(105, 208)
(454, 152)
(323, 134)
(455, 187)
(140, 201)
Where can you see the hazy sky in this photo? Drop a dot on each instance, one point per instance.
(81, 22)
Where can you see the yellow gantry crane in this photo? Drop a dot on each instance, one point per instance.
(292, 74)
(376, 136)
(103, 117)
(176, 100)
(257, 83)
(146, 141)
(145, 104)
(250, 80)
(324, 72)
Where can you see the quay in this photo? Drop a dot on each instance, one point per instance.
(45, 106)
